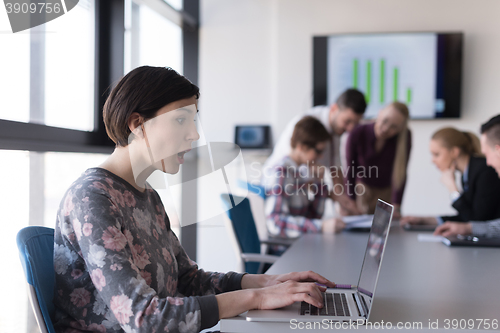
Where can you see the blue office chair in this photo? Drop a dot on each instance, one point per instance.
(254, 188)
(244, 236)
(36, 251)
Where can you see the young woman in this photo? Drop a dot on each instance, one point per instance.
(119, 267)
(296, 198)
(377, 157)
(453, 150)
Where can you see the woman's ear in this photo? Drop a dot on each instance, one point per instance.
(455, 152)
(134, 124)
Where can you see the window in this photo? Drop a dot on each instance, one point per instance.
(54, 79)
(151, 39)
(69, 69)
(176, 4)
(50, 71)
(15, 216)
(14, 65)
(33, 185)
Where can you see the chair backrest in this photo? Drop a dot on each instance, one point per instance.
(36, 251)
(257, 205)
(253, 188)
(244, 228)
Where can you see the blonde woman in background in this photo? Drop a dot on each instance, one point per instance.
(454, 150)
(377, 157)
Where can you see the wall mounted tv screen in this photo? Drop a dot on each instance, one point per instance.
(423, 70)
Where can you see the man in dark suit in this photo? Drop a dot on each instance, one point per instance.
(481, 190)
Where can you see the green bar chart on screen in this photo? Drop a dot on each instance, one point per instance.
(385, 68)
(368, 93)
(382, 81)
(355, 73)
(395, 83)
(369, 82)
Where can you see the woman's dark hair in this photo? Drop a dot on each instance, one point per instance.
(144, 90)
(309, 131)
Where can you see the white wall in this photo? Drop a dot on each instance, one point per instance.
(256, 67)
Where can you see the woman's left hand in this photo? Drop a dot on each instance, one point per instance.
(448, 179)
(264, 280)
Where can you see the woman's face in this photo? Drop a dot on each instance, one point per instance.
(389, 123)
(442, 157)
(170, 134)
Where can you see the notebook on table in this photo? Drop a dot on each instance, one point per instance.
(460, 240)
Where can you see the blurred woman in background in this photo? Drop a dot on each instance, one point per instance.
(453, 150)
(377, 157)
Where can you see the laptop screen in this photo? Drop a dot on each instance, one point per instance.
(375, 249)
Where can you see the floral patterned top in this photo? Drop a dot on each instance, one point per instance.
(120, 268)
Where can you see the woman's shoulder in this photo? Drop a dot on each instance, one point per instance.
(100, 185)
(92, 181)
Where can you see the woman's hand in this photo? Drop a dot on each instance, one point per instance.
(263, 280)
(418, 220)
(448, 179)
(453, 228)
(348, 206)
(306, 276)
(287, 293)
(267, 292)
(331, 226)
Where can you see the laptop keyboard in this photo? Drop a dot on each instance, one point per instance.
(335, 304)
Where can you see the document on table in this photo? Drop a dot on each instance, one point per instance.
(358, 221)
(429, 238)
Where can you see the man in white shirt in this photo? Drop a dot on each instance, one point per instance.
(342, 116)
(490, 146)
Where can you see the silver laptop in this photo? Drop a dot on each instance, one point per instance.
(343, 304)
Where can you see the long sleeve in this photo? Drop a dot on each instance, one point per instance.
(484, 203)
(397, 194)
(116, 264)
(288, 210)
(195, 281)
(119, 267)
(480, 201)
(488, 229)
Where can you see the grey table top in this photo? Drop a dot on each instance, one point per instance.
(419, 281)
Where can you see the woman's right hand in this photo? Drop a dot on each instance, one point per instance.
(429, 220)
(347, 205)
(273, 297)
(287, 293)
(334, 225)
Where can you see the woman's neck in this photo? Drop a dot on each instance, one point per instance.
(462, 162)
(120, 164)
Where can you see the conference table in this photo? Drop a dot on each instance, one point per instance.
(429, 283)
